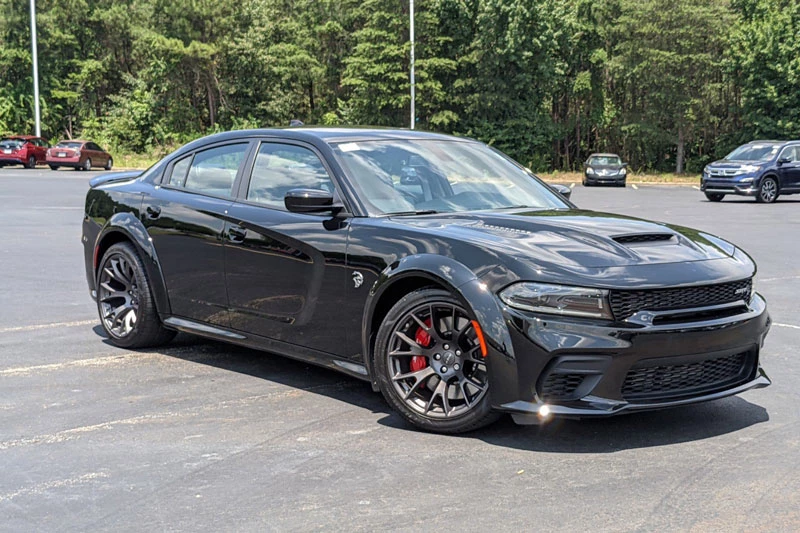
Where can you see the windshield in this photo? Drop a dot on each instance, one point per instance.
(754, 152)
(69, 144)
(404, 176)
(601, 160)
(11, 143)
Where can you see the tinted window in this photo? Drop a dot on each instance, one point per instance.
(754, 152)
(280, 168)
(214, 171)
(178, 174)
(792, 153)
(68, 144)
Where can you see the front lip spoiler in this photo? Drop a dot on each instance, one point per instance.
(526, 413)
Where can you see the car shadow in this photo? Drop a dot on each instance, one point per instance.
(601, 435)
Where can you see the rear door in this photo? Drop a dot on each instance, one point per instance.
(185, 218)
(285, 272)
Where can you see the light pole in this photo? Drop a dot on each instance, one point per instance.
(35, 69)
(413, 95)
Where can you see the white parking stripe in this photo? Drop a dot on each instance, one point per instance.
(785, 325)
(95, 361)
(571, 185)
(695, 187)
(634, 186)
(34, 327)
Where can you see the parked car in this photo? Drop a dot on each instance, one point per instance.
(80, 155)
(763, 169)
(461, 287)
(25, 150)
(604, 168)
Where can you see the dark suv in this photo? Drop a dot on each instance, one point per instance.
(764, 169)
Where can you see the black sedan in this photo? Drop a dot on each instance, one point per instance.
(434, 267)
(605, 169)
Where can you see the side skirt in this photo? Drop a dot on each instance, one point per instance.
(264, 344)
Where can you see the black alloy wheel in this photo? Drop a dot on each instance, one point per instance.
(768, 191)
(124, 301)
(87, 165)
(714, 196)
(430, 363)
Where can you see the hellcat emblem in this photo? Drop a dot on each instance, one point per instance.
(358, 279)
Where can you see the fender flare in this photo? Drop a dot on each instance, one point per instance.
(132, 229)
(463, 283)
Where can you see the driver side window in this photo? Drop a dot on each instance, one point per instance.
(280, 168)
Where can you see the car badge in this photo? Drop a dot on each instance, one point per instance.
(358, 279)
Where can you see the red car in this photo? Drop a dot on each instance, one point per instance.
(80, 155)
(25, 150)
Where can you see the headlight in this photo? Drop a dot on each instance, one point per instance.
(622, 172)
(747, 169)
(746, 180)
(589, 170)
(557, 300)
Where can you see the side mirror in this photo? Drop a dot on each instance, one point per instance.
(625, 165)
(784, 160)
(563, 190)
(309, 201)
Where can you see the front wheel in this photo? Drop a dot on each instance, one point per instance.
(429, 363)
(714, 196)
(125, 302)
(109, 164)
(768, 191)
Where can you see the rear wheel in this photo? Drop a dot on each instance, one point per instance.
(109, 164)
(429, 364)
(31, 162)
(87, 165)
(768, 191)
(714, 196)
(125, 302)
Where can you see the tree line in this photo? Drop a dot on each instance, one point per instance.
(668, 84)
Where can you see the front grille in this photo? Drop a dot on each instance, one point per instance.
(643, 237)
(625, 303)
(723, 173)
(669, 381)
(561, 386)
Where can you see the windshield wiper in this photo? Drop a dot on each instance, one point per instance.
(406, 213)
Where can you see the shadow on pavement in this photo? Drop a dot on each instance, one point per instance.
(603, 435)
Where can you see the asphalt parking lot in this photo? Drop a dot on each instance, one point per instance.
(204, 436)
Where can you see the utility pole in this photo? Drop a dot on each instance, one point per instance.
(413, 95)
(35, 54)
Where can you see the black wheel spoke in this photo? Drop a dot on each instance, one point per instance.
(419, 375)
(408, 340)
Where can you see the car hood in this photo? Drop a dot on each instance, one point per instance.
(734, 164)
(575, 239)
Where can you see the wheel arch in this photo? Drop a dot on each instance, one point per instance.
(428, 270)
(126, 227)
(773, 175)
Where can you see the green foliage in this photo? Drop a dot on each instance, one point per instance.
(669, 84)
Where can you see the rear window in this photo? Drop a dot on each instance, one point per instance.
(11, 143)
(69, 144)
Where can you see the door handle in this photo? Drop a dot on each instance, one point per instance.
(236, 234)
(153, 212)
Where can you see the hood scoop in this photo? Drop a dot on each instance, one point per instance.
(643, 238)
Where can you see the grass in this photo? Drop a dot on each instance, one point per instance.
(670, 178)
(143, 161)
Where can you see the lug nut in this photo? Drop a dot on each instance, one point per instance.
(444, 369)
(446, 346)
(437, 356)
(456, 367)
(458, 352)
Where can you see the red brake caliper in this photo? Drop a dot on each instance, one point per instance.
(418, 362)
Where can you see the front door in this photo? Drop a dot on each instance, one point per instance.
(185, 218)
(790, 172)
(285, 271)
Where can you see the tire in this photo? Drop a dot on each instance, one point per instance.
(125, 301)
(623, 183)
(54, 167)
(31, 162)
(109, 164)
(87, 165)
(768, 191)
(458, 403)
(714, 196)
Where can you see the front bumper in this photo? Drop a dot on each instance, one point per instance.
(729, 186)
(577, 368)
(595, 178)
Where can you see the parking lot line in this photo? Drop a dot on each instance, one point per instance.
(778, 324)
(34, 327)
(634, 186)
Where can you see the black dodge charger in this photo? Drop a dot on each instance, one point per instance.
(456, 282)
